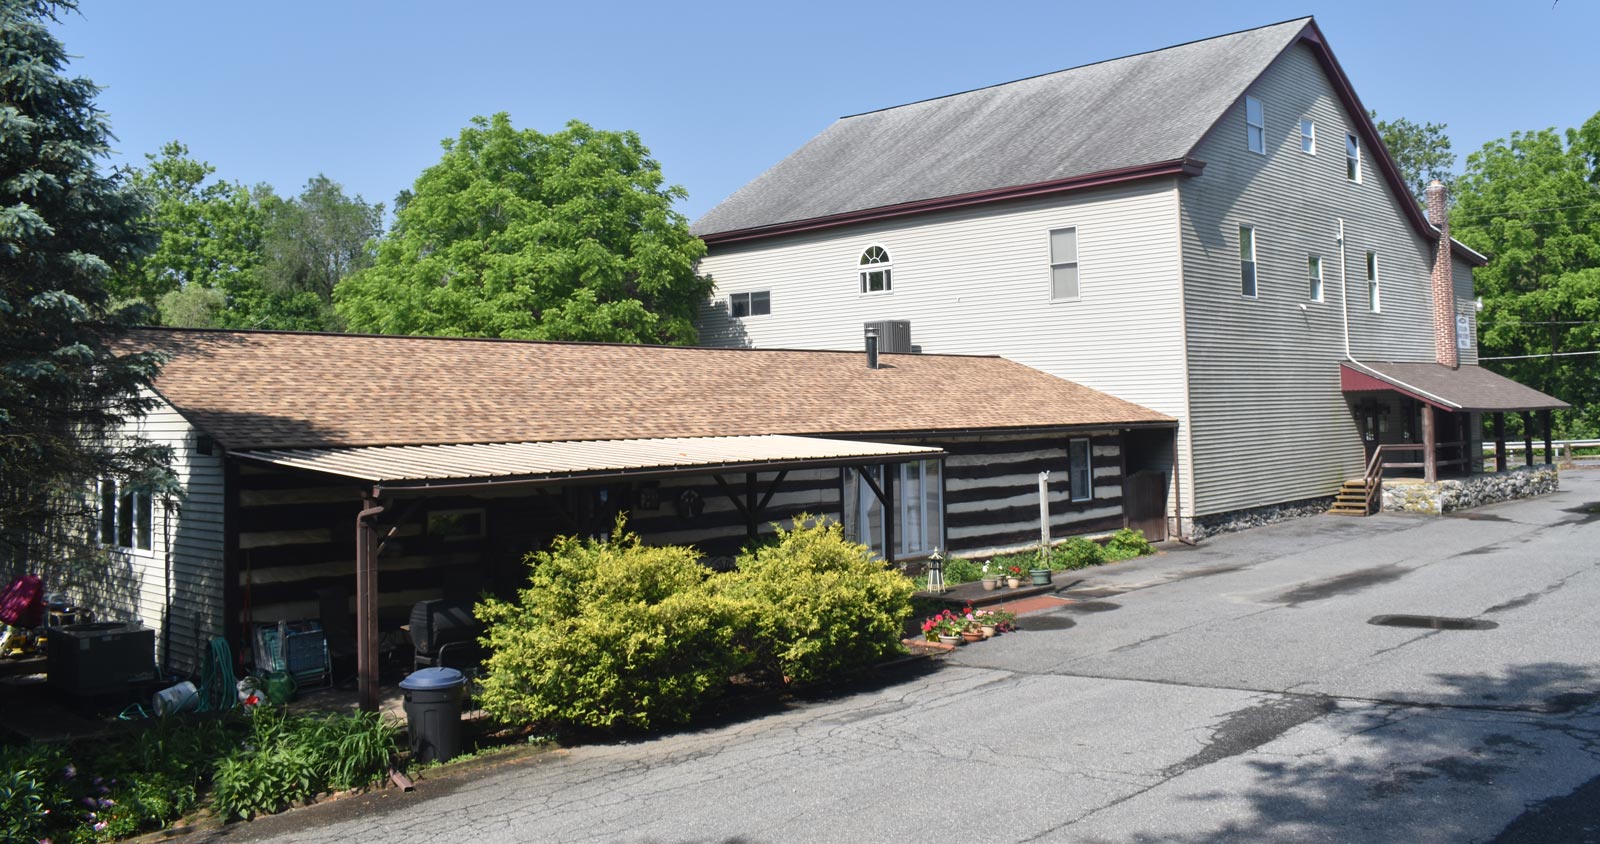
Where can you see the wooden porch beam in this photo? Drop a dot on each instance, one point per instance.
(1545, 423)
(1527, 437)
(1499, 442)
(367, 605)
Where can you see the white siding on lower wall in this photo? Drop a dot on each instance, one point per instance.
(183, 568)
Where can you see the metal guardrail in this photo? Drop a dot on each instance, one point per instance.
(1557, 445)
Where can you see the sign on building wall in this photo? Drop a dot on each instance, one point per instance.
(1463, 332)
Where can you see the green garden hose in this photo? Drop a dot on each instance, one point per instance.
(218, 688)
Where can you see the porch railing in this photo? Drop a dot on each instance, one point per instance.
(1378, 464)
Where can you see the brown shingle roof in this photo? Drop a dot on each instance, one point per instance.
(253, 389)
(1469, 388)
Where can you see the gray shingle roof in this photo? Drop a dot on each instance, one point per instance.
(1470, 388)
(1128, 112)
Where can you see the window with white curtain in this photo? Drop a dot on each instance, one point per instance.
(919, 508)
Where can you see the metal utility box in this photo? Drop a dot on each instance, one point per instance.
(894, 335)
(101, 658)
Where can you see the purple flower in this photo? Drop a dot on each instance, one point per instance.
(100, 827)
(70, 771)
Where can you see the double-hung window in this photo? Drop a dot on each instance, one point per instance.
(876, 268)
(1064, 263)
(1080, 469)
(1314, 273)
(1308, 137)
(1255, 125)
(1247, 261)
(1374, 301)
(918, 499)
(126, 517)
(758, 303)
(1352, 158)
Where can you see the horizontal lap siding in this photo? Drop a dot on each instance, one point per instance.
(190, 528)
(977, 281)
(1268, 422)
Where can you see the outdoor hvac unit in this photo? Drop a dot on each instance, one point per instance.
(894, 335)
(99, 658)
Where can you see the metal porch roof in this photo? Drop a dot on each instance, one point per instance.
(423, 467)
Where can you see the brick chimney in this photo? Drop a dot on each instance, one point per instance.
(1444, 289)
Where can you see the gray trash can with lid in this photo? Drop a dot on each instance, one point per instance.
(433, 713)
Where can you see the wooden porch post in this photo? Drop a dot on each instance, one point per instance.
(1544, 422)
(1527, 438)
(367, 606)
(890, 470)
(750, 514)
(1430, 444)
(1499, 442)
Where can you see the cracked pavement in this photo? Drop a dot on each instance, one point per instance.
(1231, 692)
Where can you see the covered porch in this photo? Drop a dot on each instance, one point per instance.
(1426, 419)
(400, 486)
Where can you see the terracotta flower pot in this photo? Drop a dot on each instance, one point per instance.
(970, 636)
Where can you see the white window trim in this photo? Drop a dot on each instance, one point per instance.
(1351, 136)
(1076, 262)
(858, 501)
(1319, 294)
(1260, 127)
(1255, 262)
(862, 270)
(1374, 275)
(749, 294)
(1088, 454)
(1307, 123)
(115, 544)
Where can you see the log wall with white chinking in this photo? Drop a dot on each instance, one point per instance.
(1267, 420)
(183, 566)
(991, 490)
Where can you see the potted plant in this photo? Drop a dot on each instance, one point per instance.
(1014, 575)
(1041, 577)
(991, 576)
(945, 627)
(1003, 621)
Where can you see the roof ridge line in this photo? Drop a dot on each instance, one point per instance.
(1076, 67)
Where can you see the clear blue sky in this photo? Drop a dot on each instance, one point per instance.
(363, 91)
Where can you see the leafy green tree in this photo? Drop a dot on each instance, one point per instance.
(1422, 152)
(210, 236)
(317, 239)
(568, 236)
(1532, 204)
(65, 228)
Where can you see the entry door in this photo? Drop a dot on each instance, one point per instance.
(1144, 503)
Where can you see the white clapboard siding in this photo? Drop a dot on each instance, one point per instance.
(1268, 422)
(185, 558)
(977, 281)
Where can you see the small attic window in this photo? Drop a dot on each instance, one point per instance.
(1255, 125)
(875, 270)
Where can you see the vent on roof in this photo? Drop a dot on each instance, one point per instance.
(894, 335)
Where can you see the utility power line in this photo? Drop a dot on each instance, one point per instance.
(1545, 355)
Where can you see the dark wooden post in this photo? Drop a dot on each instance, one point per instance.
(752, 518)
(367, 606)
(890, 470)
(1499, 442)
(1527, 438)
(1549, 451)
(1430, 445)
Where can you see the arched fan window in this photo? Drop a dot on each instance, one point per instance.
(875, 270)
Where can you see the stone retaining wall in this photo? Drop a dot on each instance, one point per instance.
(1235, 520)
(1403, 495)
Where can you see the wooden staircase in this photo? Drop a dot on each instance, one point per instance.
(1355, 498)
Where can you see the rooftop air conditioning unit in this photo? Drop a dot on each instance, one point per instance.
(894, 335)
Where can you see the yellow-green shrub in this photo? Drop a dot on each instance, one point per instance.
(819, 604)
(610, 635)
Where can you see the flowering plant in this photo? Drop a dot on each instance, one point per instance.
(1002, 621)
(945, 623)
(1015, 571)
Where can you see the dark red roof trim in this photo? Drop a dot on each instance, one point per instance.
(1355, 381)
(1180, 167)
(1312, 35)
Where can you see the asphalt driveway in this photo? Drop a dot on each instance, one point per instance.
(1238, 691)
